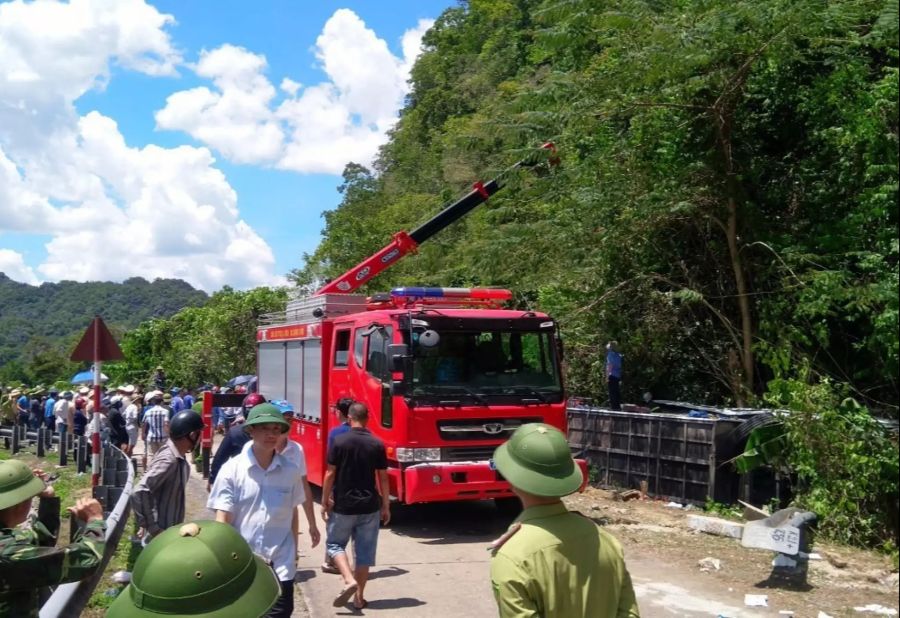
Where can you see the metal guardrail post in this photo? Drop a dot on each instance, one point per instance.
(63, 451)
(41, 444)
(81, 455)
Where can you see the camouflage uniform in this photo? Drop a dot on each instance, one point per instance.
(29, 560)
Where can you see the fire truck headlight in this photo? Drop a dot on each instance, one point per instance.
(408, 455)
(405, 455)
(428, 454)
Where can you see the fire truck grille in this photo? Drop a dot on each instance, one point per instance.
(467, 453)
(482, 428)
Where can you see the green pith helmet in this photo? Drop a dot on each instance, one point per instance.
(202, 569)
(198, 407)
(266, 413)
(17, 483)
(537, 460)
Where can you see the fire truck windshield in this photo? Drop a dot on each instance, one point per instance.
(486, 367)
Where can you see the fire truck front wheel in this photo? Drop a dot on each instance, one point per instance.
(508, 507)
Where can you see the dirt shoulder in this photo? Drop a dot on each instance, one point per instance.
(659, 540)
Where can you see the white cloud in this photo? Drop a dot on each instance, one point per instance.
(290, 86)
(235, 119)
(115, 211)
(53, 52)
(314, 129)
(12, 264)
(21, 208)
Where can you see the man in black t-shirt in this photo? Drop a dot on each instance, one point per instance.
(355, 507)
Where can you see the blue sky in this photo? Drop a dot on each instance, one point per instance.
(161, 138)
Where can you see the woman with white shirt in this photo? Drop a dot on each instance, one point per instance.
(132, 424)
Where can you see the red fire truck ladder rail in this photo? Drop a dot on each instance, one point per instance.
(405, 243)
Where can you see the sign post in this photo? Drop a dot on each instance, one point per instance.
(96, 345)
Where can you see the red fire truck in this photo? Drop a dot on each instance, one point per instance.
(447, 373)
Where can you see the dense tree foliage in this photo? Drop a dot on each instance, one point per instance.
(212, 343)
(725, 207)
(40, 325)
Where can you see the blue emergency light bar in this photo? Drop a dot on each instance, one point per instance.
(457, 293)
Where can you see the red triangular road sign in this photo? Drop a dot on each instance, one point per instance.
(97, 344)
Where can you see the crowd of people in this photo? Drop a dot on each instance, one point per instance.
(551, 562)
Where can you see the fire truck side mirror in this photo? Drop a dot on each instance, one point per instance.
(398, 353)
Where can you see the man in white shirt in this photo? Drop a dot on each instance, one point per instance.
(258, 493)
(65, 415)
(132, 415)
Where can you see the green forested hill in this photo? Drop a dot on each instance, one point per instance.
(726, 202)
(39, 325)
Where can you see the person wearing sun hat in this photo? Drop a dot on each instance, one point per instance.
(257, 492)
(29, 560)
(552, 561)
(201, 569)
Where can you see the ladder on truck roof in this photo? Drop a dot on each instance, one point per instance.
(310, 309)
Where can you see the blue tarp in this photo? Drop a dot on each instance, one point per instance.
(87, 377)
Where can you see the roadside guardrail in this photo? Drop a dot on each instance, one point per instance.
(114, 493)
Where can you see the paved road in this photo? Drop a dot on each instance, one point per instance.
(433, 561)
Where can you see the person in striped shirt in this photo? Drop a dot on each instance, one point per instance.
(158, 500)
(156, 425)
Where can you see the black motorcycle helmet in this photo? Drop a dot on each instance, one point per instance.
(183, 423)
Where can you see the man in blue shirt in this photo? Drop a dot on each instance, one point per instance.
(177, 403)
(614, 375)
(188, 399)
(49, 416)
(343, 408)
(23, 406)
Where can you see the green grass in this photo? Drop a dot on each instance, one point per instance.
(723, 510)
(123, 560)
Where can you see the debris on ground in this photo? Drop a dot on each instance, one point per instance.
(756, 600)
(780, 532)
(752, 513)
(784, 562)
(874, 608)
(710, 564)
(625, 496)
(653, 533)
(674, 505)
(715, 526)
(121, 577)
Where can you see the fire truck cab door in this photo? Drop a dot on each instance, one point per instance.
(339, 378)
(377, 377)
